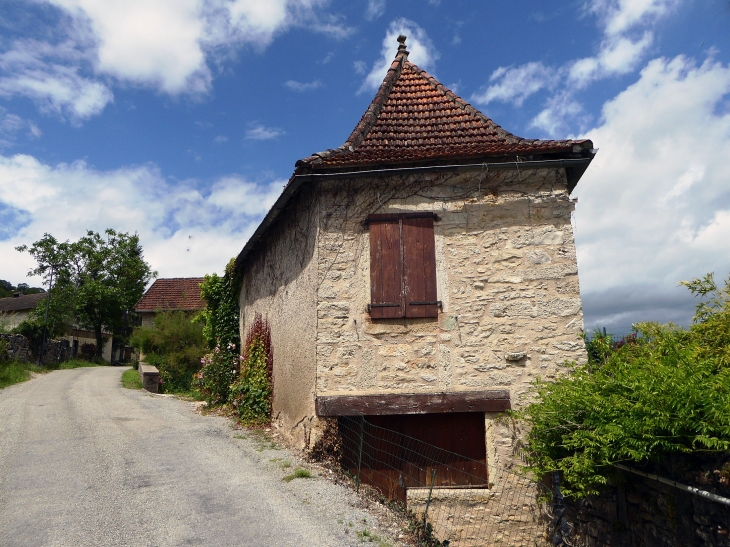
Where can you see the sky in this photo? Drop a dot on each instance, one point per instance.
(181, 120)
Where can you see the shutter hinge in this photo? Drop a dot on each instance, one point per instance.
(384, 305)
(432, 303)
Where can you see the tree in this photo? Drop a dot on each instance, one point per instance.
(97, 279)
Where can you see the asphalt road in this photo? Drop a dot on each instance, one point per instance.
(85, 462)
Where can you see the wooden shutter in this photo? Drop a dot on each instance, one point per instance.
(419, 267)
(386, 267)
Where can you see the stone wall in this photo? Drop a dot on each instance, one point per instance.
(279, 282)
(636, 511)
(506, 275)
(18, 347)
(56, 351)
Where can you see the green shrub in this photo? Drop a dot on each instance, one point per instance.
(219, 371)
(221, 315)
(175, 346)
(251, 394)
(666, 391)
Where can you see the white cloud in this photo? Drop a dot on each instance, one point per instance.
(558, 110)
(302, 86)
(375, 9)
(164, 44)
(624, 43)
(422, 52)
(50, 75)
(68, 199)
(11, 125)
(220, 139)
(654, 205)
(360, 67)
(262, 133)
(515, 84)
(620, 16)
(616, 56)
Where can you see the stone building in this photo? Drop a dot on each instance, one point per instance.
(422, 274)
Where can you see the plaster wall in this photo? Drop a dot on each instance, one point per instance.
(280, 283)
(507, 277)
(12, 319)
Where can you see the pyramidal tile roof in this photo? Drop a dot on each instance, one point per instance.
(175, 293)
(413, 118)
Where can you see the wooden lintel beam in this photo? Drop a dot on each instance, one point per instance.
(413, 403)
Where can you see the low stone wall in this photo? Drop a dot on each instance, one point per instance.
(56, 351)
(150, 377)
(18, 347)
(636, 511)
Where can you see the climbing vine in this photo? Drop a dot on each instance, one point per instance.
(220, 317)
(251, 394)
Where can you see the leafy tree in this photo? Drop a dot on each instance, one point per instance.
(97, 279)
(7, 289)
(665, 391)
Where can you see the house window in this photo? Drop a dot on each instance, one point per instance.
(402, 266)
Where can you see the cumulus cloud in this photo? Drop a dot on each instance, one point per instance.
(422, 52)
(167, 45)
(375, 9)
(625, 41)
(515, 84)
(262, 133)
(184, 231)
(301, 87)
(51, 75)
(654, 205)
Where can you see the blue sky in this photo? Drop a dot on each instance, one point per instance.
(182, 119)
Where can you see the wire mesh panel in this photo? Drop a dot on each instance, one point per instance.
(452, 498)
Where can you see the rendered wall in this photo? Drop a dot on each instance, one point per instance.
(280, 283)
(506, 274)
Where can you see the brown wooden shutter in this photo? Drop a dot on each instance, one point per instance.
(386, 267)
(419, 267)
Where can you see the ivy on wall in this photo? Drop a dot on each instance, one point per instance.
(220, 317)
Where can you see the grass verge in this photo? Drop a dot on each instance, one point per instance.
(14, 372)
(130, 379)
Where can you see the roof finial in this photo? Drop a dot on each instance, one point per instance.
(402, 44)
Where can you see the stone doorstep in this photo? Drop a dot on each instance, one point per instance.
(150, 377)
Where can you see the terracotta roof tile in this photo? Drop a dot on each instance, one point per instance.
(415, 118)
(176, 293)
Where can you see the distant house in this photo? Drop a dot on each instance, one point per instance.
(421, 275)
(15, 309)
(173, 293)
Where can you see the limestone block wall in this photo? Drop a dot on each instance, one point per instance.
(280, 283)
(506, 273)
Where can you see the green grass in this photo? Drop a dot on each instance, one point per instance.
(130, 379)
(14, 372)
(367, 536)
(299, 473)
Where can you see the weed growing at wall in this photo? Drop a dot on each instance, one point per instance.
(251, 394)
(665, 391)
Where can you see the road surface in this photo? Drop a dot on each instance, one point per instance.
(85, 462)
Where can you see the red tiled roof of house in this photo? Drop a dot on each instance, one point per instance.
(175, 293)
(23, 302)
(413, 118)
